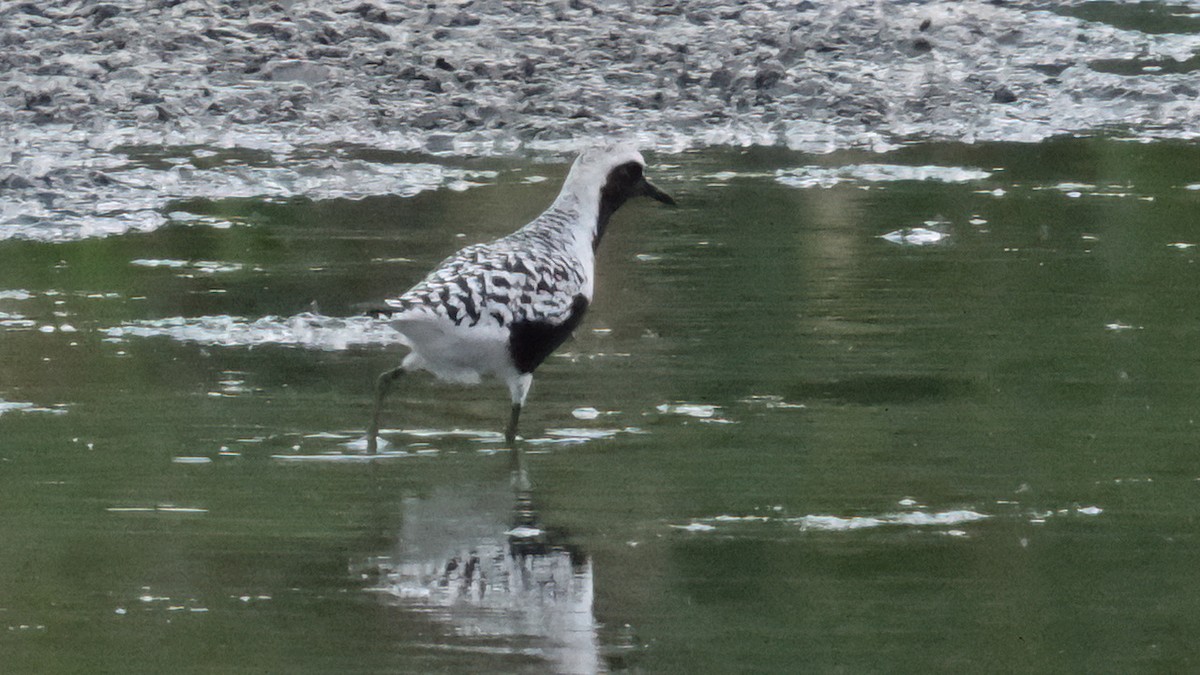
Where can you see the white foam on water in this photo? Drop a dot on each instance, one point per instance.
(310, 331)
(158, 508)
(525, 532)
(695, 527)
(1075, 190)
(915, 236)
(583, 434)
(197, 266)
(914, 516)
(329, 436)
(860, 174)
(742, 519)
(159, 262)
(832, 523)
(325, 178)
(573, 436)
(27, 407)
(1117, 326)
(478, 435)
(697, 410)
(120, 199)
(341, 457)
(12, 406)
(771, 401)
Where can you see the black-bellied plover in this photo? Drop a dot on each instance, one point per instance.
(499, 309)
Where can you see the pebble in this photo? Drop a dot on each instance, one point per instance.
(1003, 94)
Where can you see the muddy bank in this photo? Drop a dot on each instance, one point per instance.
(294, 83)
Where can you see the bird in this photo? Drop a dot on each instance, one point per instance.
(499, 309)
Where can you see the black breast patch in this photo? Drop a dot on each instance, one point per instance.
(530, 342)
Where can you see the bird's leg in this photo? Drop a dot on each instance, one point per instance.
(510, 434)
(519, 388)
(382, 386)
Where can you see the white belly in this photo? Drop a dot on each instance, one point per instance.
(456, 353)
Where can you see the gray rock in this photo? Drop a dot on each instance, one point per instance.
(297, 70)
(1003, 94)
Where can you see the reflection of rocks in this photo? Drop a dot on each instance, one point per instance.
(471, 560)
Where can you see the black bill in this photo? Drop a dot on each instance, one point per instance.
(651, 190)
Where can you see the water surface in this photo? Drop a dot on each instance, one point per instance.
(919, 410)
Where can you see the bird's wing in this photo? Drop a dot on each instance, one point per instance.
(495, 284)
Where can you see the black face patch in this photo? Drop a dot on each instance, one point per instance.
(623, 182)
(530, 342)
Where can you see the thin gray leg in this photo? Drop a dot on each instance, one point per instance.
(382, 386)
(510, 434)
(519, 388)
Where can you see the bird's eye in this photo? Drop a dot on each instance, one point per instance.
(629, 172)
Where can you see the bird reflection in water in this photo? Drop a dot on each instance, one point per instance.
(477, 560)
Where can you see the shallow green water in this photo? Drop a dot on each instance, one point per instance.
(779, 439)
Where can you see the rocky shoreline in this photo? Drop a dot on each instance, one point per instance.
(81, 81)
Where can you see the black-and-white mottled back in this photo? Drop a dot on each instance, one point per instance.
(499, 309)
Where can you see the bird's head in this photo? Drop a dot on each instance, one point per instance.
(609, 176)
(616, 170)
